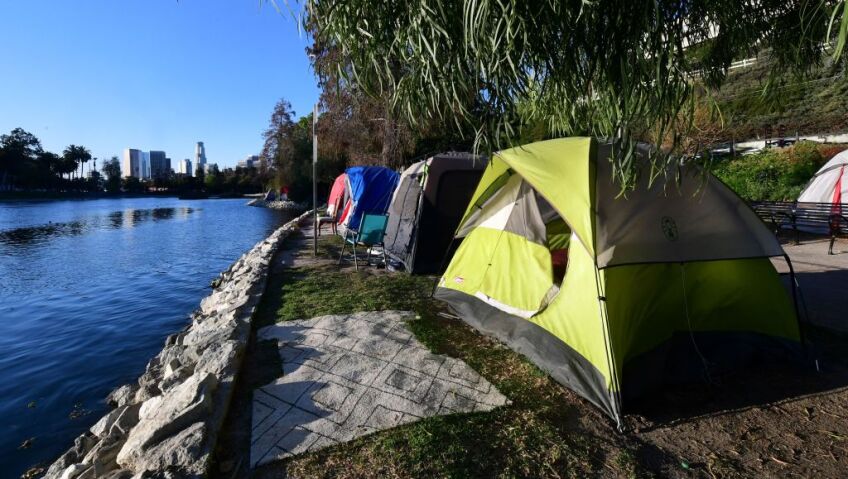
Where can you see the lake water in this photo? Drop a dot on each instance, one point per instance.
(88, 292)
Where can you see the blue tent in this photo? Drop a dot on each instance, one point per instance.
(370, 190)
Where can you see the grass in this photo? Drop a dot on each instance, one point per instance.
(545, 432)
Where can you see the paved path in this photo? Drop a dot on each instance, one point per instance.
(823, 279)
(345, 376)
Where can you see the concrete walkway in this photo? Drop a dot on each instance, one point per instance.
(823, 279)
(345, 376)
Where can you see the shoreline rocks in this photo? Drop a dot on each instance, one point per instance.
(278, 205)
(167, 424)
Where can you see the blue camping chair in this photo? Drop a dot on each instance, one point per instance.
(371, 231)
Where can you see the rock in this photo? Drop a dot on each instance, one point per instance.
(72, 472)
(88, 473)
(102, 427)
(102, 456)
(170, 367)
(173, 339)
(122, 419)
(127, 420)
(33, 472)
(184, 450)
(201, 338)
(119, 474)
(219, 359)
(121, 396)
(163, 416)
(147, 391)
(74, 455)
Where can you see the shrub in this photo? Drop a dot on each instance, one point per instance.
(774, 174)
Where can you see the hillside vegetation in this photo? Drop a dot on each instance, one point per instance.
(776, 174)
(814, 104)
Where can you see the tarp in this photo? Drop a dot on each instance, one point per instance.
(370, 189)
(830, 183)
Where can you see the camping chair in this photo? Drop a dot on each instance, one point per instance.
(371, 230)
(332, 219)
(327, 219)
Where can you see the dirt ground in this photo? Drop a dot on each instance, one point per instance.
(768, 421)
(765, 422)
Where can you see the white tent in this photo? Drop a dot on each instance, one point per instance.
(830, 183)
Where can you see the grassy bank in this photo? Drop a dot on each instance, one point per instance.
(532, 437)
(812, 104)
(546, 431)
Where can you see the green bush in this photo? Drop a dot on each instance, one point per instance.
(774, 174)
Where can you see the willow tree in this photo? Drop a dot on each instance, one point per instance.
(617, 69)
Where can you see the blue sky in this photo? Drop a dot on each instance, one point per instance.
(150, 74)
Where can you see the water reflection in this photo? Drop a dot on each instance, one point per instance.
(129, 218)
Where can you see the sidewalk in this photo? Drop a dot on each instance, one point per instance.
(823, 280)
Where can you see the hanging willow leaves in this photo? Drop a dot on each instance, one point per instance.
(616, 69)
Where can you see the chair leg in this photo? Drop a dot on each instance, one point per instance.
(341, 255)
(355, 265)
(832, 240)
(385, 259)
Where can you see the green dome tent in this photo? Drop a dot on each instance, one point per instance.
(658, 285)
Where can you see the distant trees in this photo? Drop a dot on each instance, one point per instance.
(112, 170)
(18, 151)
(362, 127)
(288, 152)
(24, 164)
(74, 156)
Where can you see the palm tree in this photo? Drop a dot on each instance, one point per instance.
(74, 156)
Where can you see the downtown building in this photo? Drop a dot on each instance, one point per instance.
(200, 156)
(145, 165)
(184, 167)
(160, 165)
(252, 161)
(135, 164)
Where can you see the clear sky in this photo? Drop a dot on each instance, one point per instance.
(150, 74)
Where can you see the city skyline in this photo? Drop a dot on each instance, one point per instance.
(151, 164)
(80, 79)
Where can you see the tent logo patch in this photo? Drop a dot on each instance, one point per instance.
(669, 228)
(458, 279)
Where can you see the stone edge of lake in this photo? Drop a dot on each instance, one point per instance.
(167, 424)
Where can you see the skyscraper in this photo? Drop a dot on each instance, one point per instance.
(200, 155)
(252, 161)
(145, 165)
(185, 167)
(131, 164)
(160, 165)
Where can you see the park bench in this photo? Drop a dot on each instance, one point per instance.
(812, 217)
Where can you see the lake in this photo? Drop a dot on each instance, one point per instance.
(89, 290)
